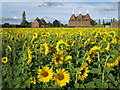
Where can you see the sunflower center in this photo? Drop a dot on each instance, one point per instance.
(32, 79)
(91, 54)
(4, 59)
(82, 71)
(44, 74)
(60, 76)
(58, 57)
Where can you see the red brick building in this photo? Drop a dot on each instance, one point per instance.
(40, 23)
(80, 20)
(115, 24)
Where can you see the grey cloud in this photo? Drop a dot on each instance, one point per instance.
(107, 8)
(10, 20)
(50, 4)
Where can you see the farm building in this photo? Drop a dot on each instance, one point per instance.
(115, 24)
(40, 23)
(80, 20)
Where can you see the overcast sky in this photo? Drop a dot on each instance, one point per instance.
(12, 10)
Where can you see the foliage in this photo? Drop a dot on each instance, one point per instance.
(56, 23)
(60, 58)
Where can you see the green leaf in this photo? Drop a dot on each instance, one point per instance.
(99, 84)
(25, 75)
(16, 81)
(111, 77)
(44, 86)
(82, 86)
(54, 86)
(102, 85)
(90, 85)
(17, 86)
(97, 80)
(27, 83)
(108, 69)
(76, 85)
(95, 70)
(111, 85)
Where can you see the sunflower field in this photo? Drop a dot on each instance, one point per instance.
(60, 58)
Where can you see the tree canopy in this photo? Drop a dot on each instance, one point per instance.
(56, 23)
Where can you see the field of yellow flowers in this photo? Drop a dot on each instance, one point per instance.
(60, 58)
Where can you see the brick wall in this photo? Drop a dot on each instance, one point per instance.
(115, 25)
(35, 24)
(80, 23)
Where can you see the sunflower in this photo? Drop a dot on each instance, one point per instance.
(91, 53)
(114, 63)
(29, 61)
(61, 45)
(73, 43)
(13, 38)
(108, 46)
(61, 77)
(93, 40)
(32, 80)
(23, 35)
(36, 46)
(29, 56)
(18, 36)
(9, 48)
(58, 58)
(45, 74)
(85, 43)
(67, 58)
(83, 72)
(25, 44)
(111, 37)
(34, 36)
(4, 59)
(44, 48)
(105, 45)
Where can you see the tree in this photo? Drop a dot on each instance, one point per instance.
(94, 22)
(99, 21)
(23, 16)
(56, 23)
(111, 20)
(107, 23)
(66, 25)
(6, 25)
(62, 25)
(24, 21)
(103, 21)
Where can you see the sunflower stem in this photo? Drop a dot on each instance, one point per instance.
(76, 79)
(98, 59)
(85, 55)
(103, 74)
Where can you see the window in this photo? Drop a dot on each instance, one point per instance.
(86, 19)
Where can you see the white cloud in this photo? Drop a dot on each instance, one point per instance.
(60, 12)
(15, 17)
(50, 4)
(59, 0)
